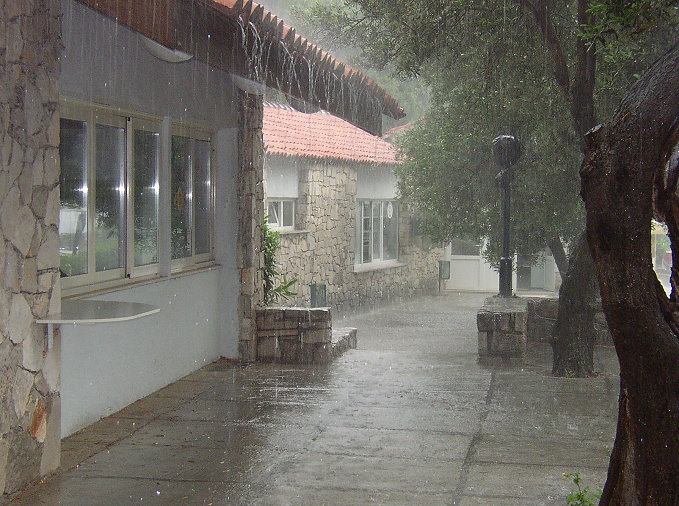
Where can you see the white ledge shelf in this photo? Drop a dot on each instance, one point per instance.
(99, 311)
(378, 266)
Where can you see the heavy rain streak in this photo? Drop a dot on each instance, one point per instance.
(339, 252)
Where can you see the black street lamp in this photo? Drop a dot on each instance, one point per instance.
(506, 151)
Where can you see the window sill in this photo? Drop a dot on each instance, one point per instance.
(81, 292)
(378, 266)
(291, 231)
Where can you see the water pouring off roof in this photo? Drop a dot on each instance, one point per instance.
(244, 38)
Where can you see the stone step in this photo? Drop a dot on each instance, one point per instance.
(343, 339)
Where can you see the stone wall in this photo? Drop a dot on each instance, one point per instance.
(501, 323)
(321, 249)
(294, 335)
(507, 325)
(541, 316)
(250, 219)
(30, 43)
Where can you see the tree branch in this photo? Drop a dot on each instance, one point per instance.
(542, 14)
(582, 89)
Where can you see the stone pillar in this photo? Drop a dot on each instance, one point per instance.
(30, 43)
(501, 323)
(250, 219)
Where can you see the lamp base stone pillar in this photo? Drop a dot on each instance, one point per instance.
(501, 323)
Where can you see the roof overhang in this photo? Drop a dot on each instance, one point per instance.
(244, 38)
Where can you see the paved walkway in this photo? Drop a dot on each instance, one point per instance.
(408, 418)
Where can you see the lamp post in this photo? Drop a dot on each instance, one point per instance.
(506, 151)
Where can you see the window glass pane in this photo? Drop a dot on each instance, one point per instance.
(366, 232)
(288, 214)
(359, 234)
(464, 247)
(390, 230)
(73, 188)
(181, 197)
(274, 213)
(202, 199)
(145, 194)
(377, 231)
(109, 197)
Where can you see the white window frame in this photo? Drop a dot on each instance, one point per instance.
(148, 125)
(194, 132)
(276, 225)
(376, 223)
(93, 114)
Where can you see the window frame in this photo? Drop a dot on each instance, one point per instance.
(196, 133)
(95, 114)
(372, 210)
(281, 200)
(140, 122)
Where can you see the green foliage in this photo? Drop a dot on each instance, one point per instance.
(448, 171)
(490, 72)
(410, 93)
(273, 291)
(618, 19)
(582, 496)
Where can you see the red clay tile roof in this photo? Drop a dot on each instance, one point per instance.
(391, 134)
(321, 135)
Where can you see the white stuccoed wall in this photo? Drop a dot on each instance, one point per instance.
(107, 366)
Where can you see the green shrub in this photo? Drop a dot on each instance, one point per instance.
(582, 496)
(274, 291)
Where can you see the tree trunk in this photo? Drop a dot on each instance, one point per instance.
(559, 254)
(575, 317)
(626, 180)
(573, 338)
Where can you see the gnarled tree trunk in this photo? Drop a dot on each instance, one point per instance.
(573, 337)
(573, 340)
(626, 180)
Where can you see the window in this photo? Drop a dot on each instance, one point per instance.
(376, 231)
(110, 196)
(191, 197)
(464, 247)
(73, 214)
(281, 213)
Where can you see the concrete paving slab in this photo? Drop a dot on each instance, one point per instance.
(410, 417)
(107, 430)
(184, 389)
(550, 424)
(535, 482)
(181, 463)
(479, 500)
(206, 434)
(115, 491)
(540, 381)
(449, 422)
(566, 403)
(286, 495)
(150, 407)
(572, 453)
(322, 470)
(411, 444)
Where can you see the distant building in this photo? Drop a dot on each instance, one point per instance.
(330, 191)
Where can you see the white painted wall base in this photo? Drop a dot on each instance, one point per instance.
(108, 366)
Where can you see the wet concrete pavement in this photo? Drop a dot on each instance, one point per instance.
(409, 417)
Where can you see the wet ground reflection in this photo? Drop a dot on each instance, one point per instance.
(408, 417)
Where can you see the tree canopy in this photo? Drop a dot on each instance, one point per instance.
(494, 67)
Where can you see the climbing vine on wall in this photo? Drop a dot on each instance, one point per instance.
(275, 290)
